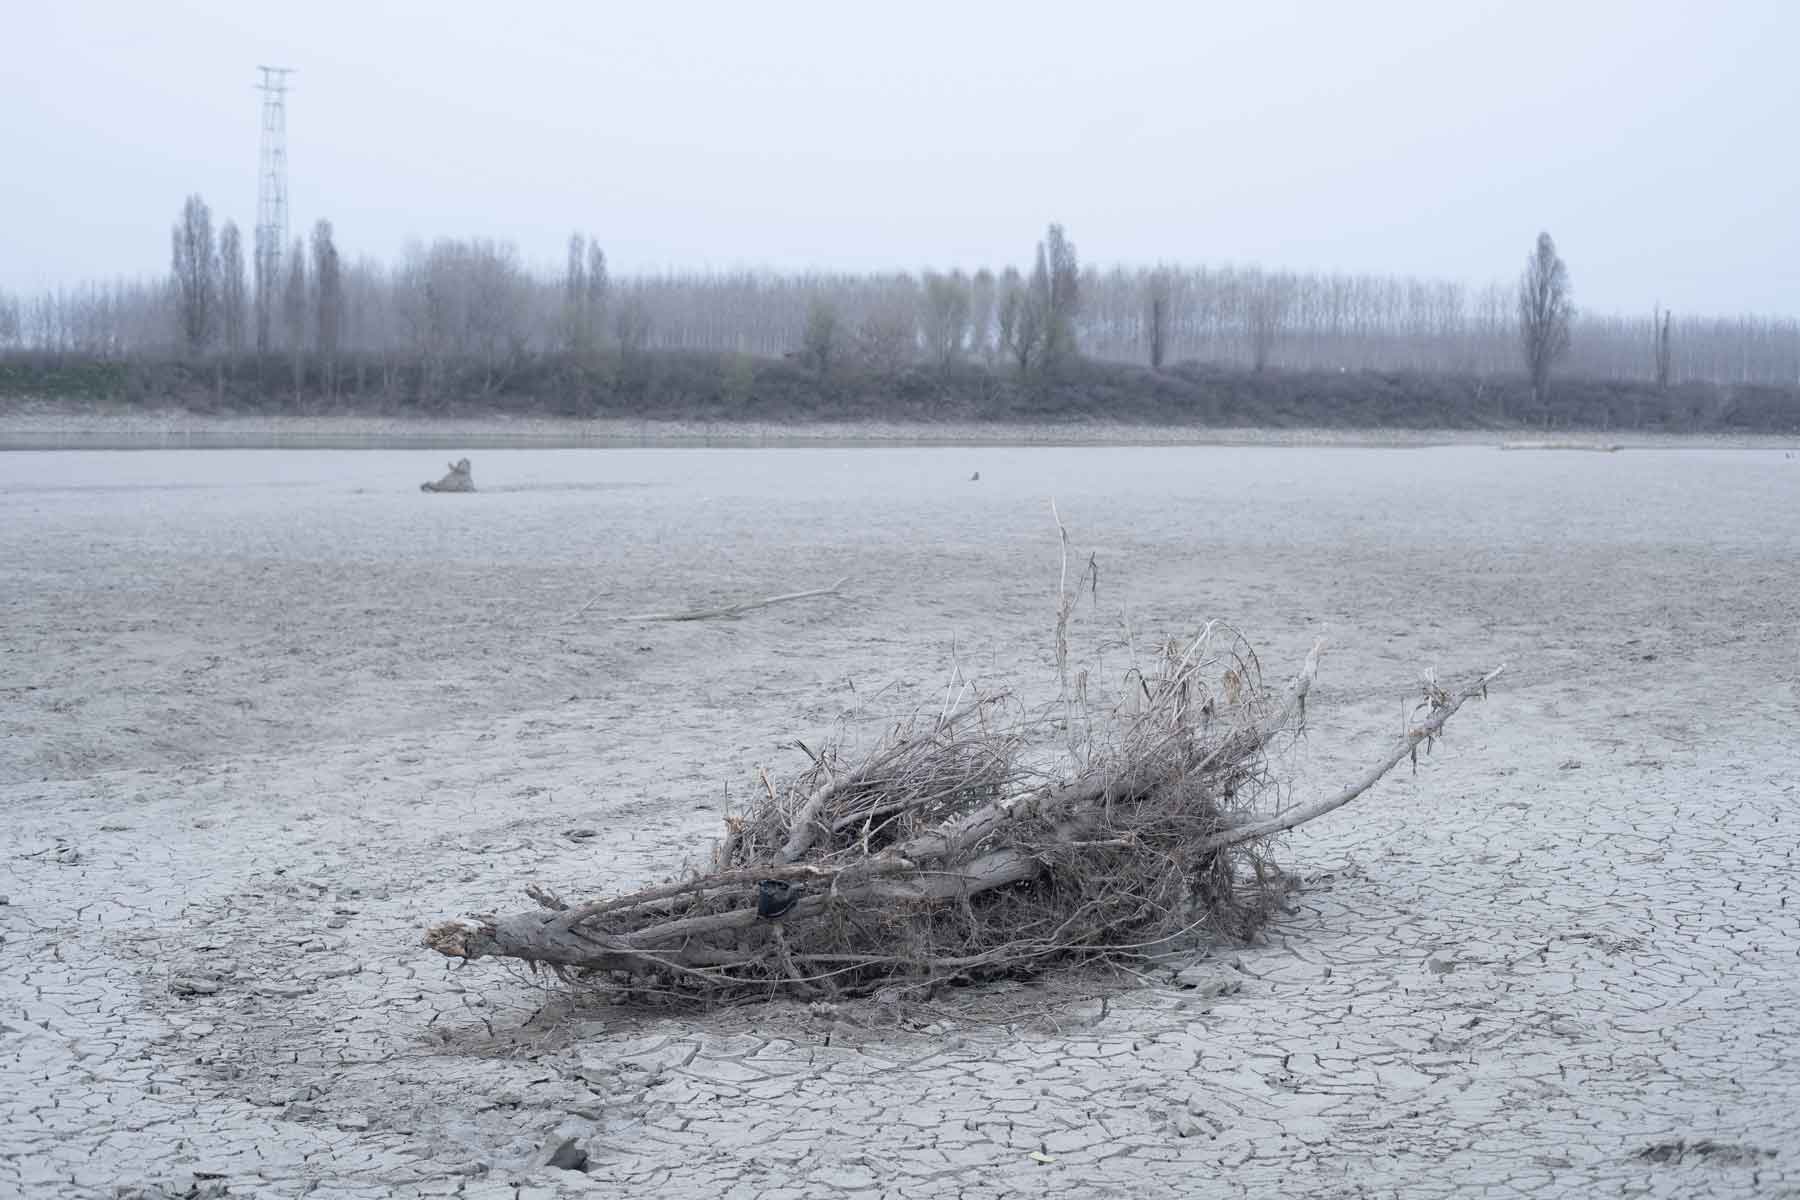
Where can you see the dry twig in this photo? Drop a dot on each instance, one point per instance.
(733, 610)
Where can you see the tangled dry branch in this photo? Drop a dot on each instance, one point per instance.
(950, 849)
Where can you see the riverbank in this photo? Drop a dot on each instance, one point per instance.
(70, 425)
(688, 397)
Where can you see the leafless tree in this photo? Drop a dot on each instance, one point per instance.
(461, 303)
(887, 336)
(231, 287)
(1011, 296)
(1659, 324)
(981, 314)
(819, 345)
(946, 316)
(599, 288)
(496, 306)
(1025, 314)
(1156, 317)
(1544, 314)
(575, 328)
(1266, 308)
(293, 311)
(632, 326)
(264, 285)
(195, 263)
(328, 292)
(1061, 298)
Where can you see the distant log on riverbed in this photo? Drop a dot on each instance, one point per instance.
(461, 478)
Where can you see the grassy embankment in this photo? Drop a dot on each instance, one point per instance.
(683, 386)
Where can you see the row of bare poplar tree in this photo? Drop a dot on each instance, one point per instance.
(474, 300)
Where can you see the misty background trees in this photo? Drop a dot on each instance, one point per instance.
(1545, 314)
(585, 291)
(1156, 317)
(451, 304)
(328, 302)
(1659, 329)
(194, 276)
(232, 298)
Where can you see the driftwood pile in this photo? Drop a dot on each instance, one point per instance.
(962, 847)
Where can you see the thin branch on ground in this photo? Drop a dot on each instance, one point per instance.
(734, 610)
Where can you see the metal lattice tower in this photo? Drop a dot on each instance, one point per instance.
(271, 179)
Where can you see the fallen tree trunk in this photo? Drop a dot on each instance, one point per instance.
(689, 944)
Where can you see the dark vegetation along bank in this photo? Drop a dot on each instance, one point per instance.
(705, 386)
(464, 329)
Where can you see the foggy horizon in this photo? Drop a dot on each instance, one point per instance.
(1650, 141)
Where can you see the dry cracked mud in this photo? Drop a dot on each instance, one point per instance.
(264, 716)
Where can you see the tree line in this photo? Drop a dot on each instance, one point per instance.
(453, 303)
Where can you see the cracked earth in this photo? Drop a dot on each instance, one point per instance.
(265, 715)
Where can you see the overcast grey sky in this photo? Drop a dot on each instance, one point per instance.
(1658, 142)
